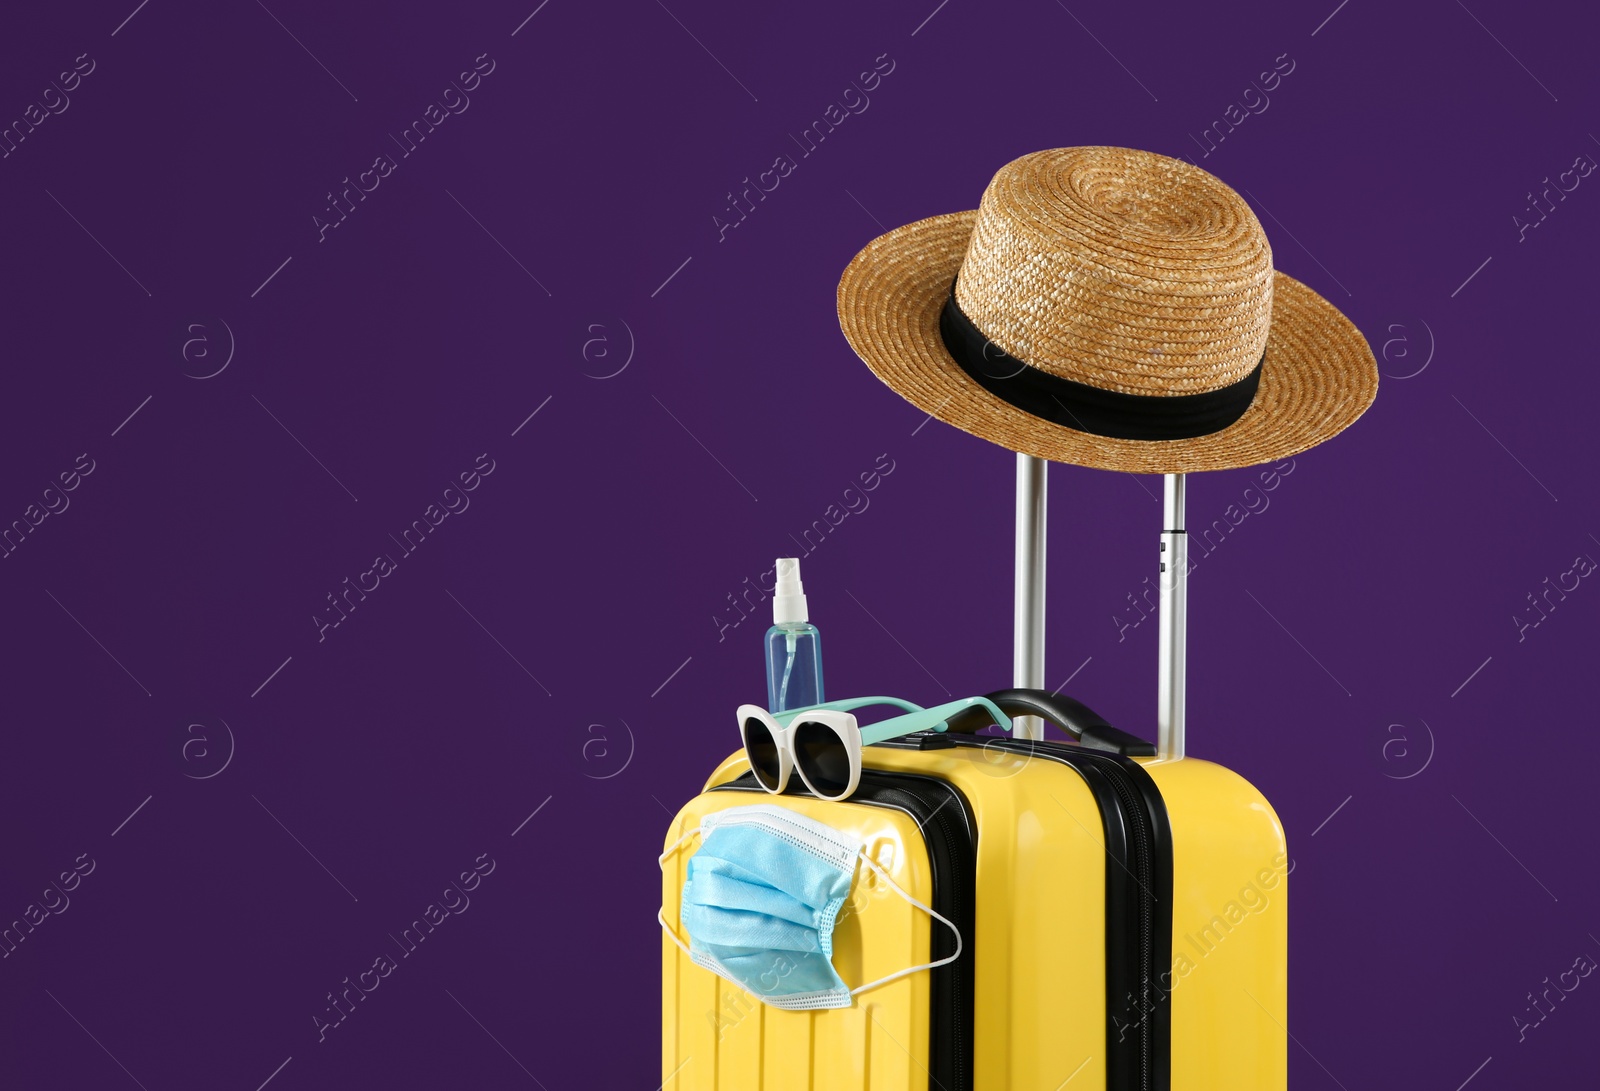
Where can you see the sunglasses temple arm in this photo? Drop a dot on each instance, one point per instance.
(928, 719)
(846, 704)
(954, 707)
(893, 728)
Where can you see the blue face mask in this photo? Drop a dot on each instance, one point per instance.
(761, 900)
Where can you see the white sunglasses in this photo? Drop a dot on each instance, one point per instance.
(823, 742)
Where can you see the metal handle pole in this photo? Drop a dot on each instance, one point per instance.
(1172, 680)
(1027, 661)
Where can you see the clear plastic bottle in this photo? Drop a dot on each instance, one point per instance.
(794, 646)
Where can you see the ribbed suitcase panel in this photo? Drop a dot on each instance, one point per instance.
(717, 1037)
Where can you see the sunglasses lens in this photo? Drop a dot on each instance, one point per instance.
(822, 757)
(762, 749)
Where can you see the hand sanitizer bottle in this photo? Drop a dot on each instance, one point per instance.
(794, 647)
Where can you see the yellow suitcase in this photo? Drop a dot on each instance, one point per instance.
(1123, 923)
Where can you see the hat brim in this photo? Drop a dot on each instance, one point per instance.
(1317, 377)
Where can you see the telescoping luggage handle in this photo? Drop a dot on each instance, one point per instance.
(1074, 717)
(1028, 631)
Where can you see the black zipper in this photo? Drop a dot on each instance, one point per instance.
(950, 833)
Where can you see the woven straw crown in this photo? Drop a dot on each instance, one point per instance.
(1119, 269)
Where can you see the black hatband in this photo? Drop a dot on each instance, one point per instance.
(1087, 408)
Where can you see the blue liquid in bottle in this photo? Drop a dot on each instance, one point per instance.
(794, 666)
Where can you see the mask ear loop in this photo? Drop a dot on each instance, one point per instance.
(661, 913)
(926, 909)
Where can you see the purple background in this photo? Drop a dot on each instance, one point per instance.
(556, 646)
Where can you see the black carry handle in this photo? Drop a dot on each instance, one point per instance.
(1076, 718)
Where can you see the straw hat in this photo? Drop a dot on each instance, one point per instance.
(1110, 308)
